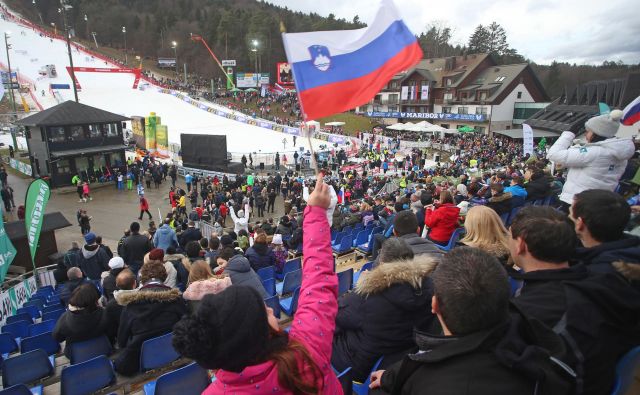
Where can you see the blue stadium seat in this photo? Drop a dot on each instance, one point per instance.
(338, 238)
(290, 305)
(157, 352)
(291, 281)
(53, 315)
(188, 380)
(512, 215)
(39, 302)
(625, 371)
(17, 329)
(453, 240)
(345, 281)
(358, 227)
(44, 341)
(361, 238)
(50, 308)
(19, 317)
(269, 286)
(8, 344)
(19, 389)
(347, 230)
(88, 349)
(363, 388)
(274, 303)
(367, 247)
(42, 327)
(346, 245)
(266, 272)
(87, 377)
(26, 368)
(34, 311)
(289, 266)
(364, 268)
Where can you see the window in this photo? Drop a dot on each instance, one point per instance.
(94, 131)
(519, 95)
(56, 134)
(447, 81)
(463, 110)
(446, 110)
(63, 166)
(77, 133)
(483, 95)
(500, 79)
(422, 109)
(394, 85)
(424, 83)
(412, 83)
(82, 163)
(393, 108)
(112, 129)
(480, 129)
(448, 96)
(481, 110)
(393, 98)
(460, 126)
(445, 125)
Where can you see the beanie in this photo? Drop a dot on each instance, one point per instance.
(116, 263)
(157, 254)
(605, 125)
(240, 213)
(90, 238)
(228, 331)
(226, 241)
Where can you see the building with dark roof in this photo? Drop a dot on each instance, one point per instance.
(73, 138)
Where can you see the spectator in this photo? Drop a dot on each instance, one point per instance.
(442, 219)
(92, 259)
(238, 268)
(239, 221)
(69, 260)
(214, 247)
(76, 279)
(234, 332)
(191, 234)
(135, 247)
(598, 314)
(201, 283)
(181, 264)
(379, 318)
(285, 227)
(104, 247)
(260, 255)
(405, 227)
(243, 240)
(165, 237)
(157, 256)
(82, 320)
(126, 281)
(116, 265)
(539, 185)
(279, 251)
(500, 201)
(600, 218)
(485, 230)
(149, 311)
(484, 348)
(120, 249)
(516, 189)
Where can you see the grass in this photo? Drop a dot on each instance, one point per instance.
(353, 123)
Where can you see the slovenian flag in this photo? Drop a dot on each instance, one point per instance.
(335, 71)
(631, 113)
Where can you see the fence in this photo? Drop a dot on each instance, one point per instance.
(21, 166)
(13, 298)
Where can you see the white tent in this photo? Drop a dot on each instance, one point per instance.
(336, 123)
(396, 126)
(416, 128)
(435, 129)
(425, 124)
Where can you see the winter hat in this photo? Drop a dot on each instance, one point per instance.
(228, 331)
(226, 241)
(90, 238)
(605, 125)
(240, 213)
(157, 254)
(277, 239)
(116, 263)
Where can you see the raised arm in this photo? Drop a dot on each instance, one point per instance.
(562, 153)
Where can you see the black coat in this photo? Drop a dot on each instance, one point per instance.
(510, 358)
(260, 256)
(538, 189)
(599, 258)
(379, 318)
(149, 312)
(600, 314)
(134, 248)
(77, 326)
(500, 204)
(109, 283)
(93, 260)
(191, 234)
(111, 317)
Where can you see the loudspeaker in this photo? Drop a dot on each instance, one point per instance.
(261, 165)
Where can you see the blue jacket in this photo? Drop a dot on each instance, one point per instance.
(165, 237)
(188, 178)
(516, 190)
(259, 256)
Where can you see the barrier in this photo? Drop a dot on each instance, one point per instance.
(21, 167)
(13, 298)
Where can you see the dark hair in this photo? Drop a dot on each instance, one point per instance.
(536, 173)
(518, 180)
(214, 243)
(126, 280)
(405, 223)
(135, 227)
(472, 290)
(152, 270)
(498, 187)
(445, 197)
(394, 249)
(171, 250)
(549, 234)
(192, 249)
(226, 253)
(85, 296)
(605, 213)
(243, 232)
(98, 239)
(204, 242)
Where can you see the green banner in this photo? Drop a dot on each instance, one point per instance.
(7, 252)
(35, 204)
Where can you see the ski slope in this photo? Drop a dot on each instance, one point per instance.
(113, 92)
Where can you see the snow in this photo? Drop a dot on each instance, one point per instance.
(113, 92)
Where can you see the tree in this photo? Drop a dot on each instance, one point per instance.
(553, 82)
(496, 39)
(435, 40)
(478, 42)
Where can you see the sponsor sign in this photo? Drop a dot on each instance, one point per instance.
(229, 63)
(427, 115)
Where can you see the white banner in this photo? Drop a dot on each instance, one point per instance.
(527, 139)
(404, 93)
(412, 92)
(424, 93)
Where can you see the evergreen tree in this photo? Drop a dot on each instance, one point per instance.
(496, 40)
(478, 42)
(553, 82)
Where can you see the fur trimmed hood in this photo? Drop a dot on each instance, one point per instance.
(630, 271)
(198, 289)
(153, 294)
(385, 275)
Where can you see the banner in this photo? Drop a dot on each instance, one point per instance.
(426, 115)
(35, 203)
(13, 298)
(162, 139)
(150, 132)
(527, 139)
(137, 127)
(424, 93)
(285, 77)
(246, 80)
(7, 252)
(412, 92)
(230, 77)
(404, 93)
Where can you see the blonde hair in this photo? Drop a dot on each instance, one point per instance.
(485, 230)
(200, 270)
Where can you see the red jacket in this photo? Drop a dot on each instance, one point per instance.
(442, 221)
(144, 204)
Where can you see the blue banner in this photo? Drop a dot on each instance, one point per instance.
(427, 115)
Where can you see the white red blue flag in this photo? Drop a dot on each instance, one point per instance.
(631, 113)
(335, 71)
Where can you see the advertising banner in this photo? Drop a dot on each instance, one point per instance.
(162, 139)
(527, 139)
(263, 79)
(35, 203)
(7, 252)
(246, 80)
(167, 63)
(284, 74)
(404, 93)
(230, 74)
(228, 62)
(424, 92)
(13, 298)
(150, 132)
(427, 115)
(137, 127)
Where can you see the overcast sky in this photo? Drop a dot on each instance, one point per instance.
(580, 31)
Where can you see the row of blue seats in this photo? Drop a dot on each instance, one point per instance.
(345, 242)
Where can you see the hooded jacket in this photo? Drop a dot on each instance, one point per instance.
(259, 256)
(599, 259)
(241, 273)
(512, 357)
(240, 223)
(76, 325)
(442, 221)
(421, 246)
(165, 237)
(93, 260)
(379, 318)
(501, 203)
(539, 188)
(135, 247)
(148, 312)
(591, 166)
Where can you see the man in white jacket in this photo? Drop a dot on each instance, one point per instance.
(240, 221)
(599, 163)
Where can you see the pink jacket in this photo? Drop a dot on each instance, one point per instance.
(313, 324)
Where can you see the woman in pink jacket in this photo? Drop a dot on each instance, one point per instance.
(234, 333)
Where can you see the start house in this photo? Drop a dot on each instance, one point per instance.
(73, 138)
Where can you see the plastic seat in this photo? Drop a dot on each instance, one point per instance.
(290, 305)
(266, 273)
(269, 286)
(363, 388)
(87, 377)
(625, 369)
(291, 281)
(42, 327)
(157, 352)
(53, 315)
(347, 230)
(39, 302)
(8, 344)
(512, 215)
(452, 240)
(338, 239)
(19, 317)
(44, 341)
(346, 245)
(50, 308)
(17, 329)
(345, 281)
(88, 349)
(364, 268)
(188, 380)
(289, 266)
(367, 247)
(361, 238)
(33, 311)
(274, 303)
(26, 368)
(19, 389)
